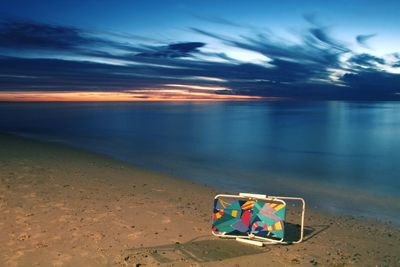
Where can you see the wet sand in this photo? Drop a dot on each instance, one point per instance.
(65, 207)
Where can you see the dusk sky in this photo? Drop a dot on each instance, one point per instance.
(199, 50)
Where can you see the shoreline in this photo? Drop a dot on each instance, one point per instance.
(59, 206)
(386, 206)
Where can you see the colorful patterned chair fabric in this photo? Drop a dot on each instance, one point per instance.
(261, 218)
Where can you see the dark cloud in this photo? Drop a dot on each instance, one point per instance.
(21, 35)
(366, 60)
(24, 34)
(173, 50)
(67, 75)
(186, 47)
(363, 38)
(325, 41)
(311, 68)
(296, 63)
(373, 85)
(397, 58)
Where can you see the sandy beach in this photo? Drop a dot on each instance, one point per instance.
(65, 207)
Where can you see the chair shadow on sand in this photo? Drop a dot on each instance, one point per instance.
(205, 249)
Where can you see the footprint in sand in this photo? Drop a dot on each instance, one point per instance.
(152, 213)
(56, 237)
(120, 223)
(65, 218)
(96, 236)
(100, 216)
(135, 235)
(198, 229)
(166, 220)
(62, 259)
(23, 237)
(57, 205)
(41, 245)
(20, 220)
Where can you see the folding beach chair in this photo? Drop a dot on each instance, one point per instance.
(253, 218)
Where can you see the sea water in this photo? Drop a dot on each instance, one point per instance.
(341, 156)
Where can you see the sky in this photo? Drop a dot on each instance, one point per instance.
(54, 50)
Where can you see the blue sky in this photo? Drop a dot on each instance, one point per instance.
(155, 18)
(291, 49)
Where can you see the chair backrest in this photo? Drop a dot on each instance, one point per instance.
(241, 216)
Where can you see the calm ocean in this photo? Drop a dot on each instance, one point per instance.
(341, 156)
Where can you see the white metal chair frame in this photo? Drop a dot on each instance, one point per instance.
(257, 240)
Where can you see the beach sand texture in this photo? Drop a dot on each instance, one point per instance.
(65, 207)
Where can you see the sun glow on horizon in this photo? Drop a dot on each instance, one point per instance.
(199, 87)
(126, 96)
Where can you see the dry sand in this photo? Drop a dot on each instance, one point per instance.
(64, 207)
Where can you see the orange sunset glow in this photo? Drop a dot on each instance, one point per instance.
(130, 95)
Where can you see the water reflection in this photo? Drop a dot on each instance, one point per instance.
(258, 146)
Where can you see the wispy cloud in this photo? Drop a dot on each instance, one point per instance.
(52, 58)
(363, 38)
